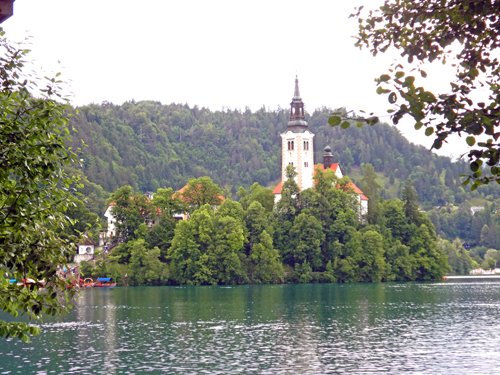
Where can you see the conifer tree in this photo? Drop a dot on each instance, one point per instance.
(410, 200)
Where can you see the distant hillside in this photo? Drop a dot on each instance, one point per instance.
(149, 145)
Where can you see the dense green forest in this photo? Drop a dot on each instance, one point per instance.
(148, 146)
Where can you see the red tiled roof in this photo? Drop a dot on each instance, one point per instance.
(277, 189)
(357, 190)
(158, 211)
(332, 167)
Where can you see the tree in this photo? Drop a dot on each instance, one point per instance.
(201, 191)
(306, 237)
(288, 206)
(257, 220)
(266, 263)
(347, 159)
(167, 202)
(423, 31)
(302, 273)
(371, 260)
(410, 200)
(130, 211)
(145, 265)
(371, 189)
(257, 193)
(205, 249)
(34, 194)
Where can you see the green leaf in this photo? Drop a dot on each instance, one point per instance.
(437, 144)
(474, 166)
(409, 81)
(345, 125)
(392, 98)
(381, 90)
(429, 131)
(400, 75)
(334, 120)
(384, 78)
(418, 125)
(471, 141)
(427, 96)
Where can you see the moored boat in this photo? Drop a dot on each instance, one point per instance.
(104, 282)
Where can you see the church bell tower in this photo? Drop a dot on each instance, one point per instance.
(297, 143)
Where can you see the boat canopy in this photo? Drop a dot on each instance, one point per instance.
(104, 279)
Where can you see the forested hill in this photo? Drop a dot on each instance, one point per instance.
(149, 145)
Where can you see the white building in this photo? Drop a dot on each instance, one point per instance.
(297, 146)
(86, 249)
(108, 214)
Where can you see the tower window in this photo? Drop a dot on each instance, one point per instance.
(306, 145)
(290, 145)
(306, 164)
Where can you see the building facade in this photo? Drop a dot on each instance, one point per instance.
(297, 146)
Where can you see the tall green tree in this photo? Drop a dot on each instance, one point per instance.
(286, 209)
(257, 220)
(130, 211)
(266, 266)
(34, 193)
(371, 260)
(145, 265)
(371, 188)
(410, 200)
(206, 249)
(306, 239)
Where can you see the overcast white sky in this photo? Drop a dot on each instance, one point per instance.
(215, 53)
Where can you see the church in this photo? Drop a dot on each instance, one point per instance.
(297, 149)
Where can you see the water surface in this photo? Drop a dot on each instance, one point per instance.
(439, 328)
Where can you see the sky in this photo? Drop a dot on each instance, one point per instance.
(216, 54)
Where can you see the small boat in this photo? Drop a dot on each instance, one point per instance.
(88, 283)
(104, 282)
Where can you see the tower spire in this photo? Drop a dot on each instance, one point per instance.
(297, 122)
(296, 94)
(327, 157)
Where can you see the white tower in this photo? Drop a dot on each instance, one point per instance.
(297, 144)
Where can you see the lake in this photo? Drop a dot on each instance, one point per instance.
(448, 327)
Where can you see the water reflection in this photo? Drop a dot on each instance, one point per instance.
(449, 327)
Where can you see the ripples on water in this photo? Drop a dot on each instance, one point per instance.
(438, 328)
